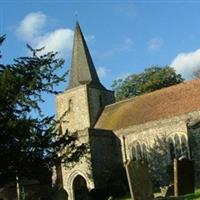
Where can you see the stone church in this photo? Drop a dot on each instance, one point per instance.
(119, 131)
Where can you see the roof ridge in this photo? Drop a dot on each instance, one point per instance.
(167, 102)
(153, 92)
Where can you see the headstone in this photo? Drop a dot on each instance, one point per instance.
(139, 180)
(183, 177)
(167, 191)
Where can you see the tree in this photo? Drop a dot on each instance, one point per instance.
(151, 79)
(29, 146)
(196, 73)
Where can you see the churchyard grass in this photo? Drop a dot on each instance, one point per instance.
(195, 196)
(124, 198)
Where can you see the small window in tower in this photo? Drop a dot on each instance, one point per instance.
(70, 105)
(100, 101)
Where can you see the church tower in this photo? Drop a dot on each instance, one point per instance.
(78, 109)
(82, 102)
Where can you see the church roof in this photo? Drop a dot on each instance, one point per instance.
(164, 103)
(82, 67)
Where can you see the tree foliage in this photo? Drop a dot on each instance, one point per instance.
(196, 73)
(29, 146)
(151, 79)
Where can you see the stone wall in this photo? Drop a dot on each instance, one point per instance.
(79, 108)
(153, 139)
(194, 140)
(164, 128)
(72, 109)
(101, 167)
(83, 168)
(106, 158)
(98, 99)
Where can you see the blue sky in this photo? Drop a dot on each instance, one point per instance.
(124, 37)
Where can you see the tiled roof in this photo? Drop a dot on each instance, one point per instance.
(160, 104)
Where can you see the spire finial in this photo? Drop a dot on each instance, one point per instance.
(76, 15)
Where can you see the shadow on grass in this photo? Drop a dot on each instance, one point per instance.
(185, 197)
(195, 196)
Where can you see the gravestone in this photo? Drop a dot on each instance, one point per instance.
(139, 180)
(183, 177)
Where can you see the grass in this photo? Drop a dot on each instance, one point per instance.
(195, 196)
(124, 198)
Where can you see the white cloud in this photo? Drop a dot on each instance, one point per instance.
(59, 40)
(32, 30)
(31, 25)
(186, 63)
(155, 44)
(102, 72)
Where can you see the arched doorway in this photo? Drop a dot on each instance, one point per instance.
(80, 188)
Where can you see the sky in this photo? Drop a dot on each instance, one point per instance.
(124, 37)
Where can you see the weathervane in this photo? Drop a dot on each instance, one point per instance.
(76, 15)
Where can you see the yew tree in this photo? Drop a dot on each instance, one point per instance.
(29, 146)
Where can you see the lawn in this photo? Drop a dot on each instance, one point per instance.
(195, 196)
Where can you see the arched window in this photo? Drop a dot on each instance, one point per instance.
(134, 153)
(171, 148)
(177, 146)
(184, 146)
(138, 152)
(144, 151)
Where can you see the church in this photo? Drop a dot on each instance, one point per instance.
(166, 121)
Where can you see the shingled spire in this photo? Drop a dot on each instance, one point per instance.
(82, 67)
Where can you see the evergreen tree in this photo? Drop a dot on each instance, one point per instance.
(29, 146)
